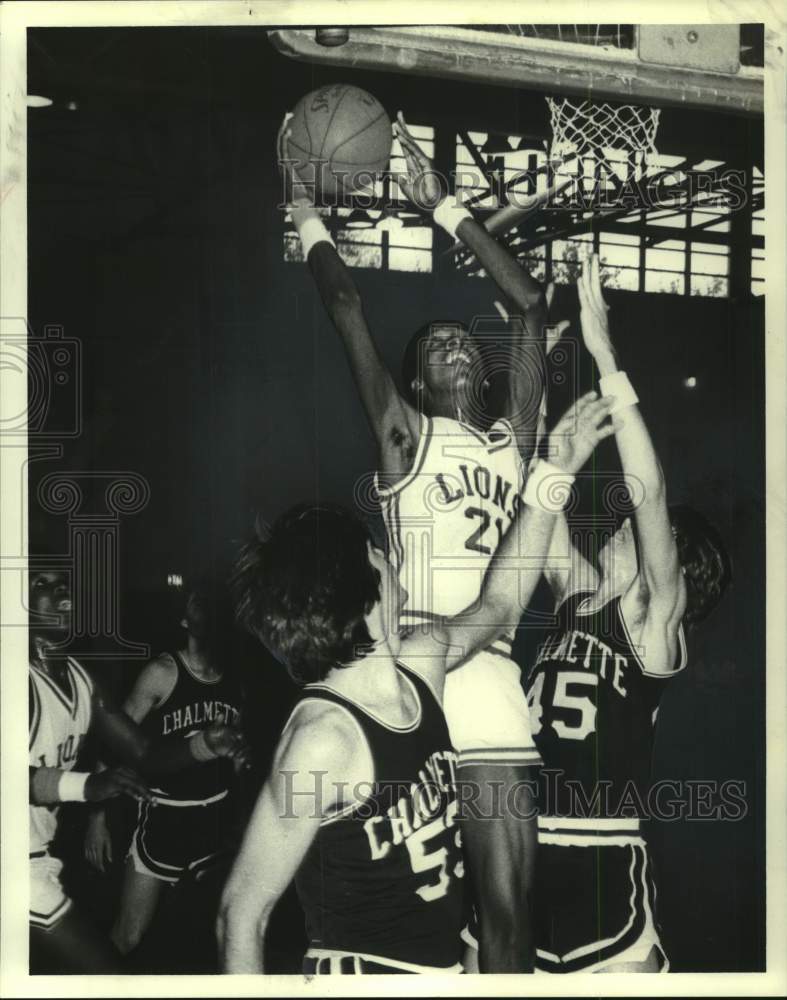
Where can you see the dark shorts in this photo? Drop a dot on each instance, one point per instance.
(595, 901)
(173, 839)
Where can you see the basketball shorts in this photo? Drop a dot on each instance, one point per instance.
(48, 902)
(324, 961)
(175, 837)
(594, 898)
(487, 712)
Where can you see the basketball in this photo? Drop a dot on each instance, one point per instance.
(340, 139)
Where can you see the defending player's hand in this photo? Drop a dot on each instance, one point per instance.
(295, 192)
(575, 436)
(556, 331)
(224, 740)
(98, 842)
(593, 309)
(116, 781)
(421, 184)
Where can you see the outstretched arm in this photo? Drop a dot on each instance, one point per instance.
(153, 685)
(49, 786)
(659, 589)
(395, 424)
(283, 825)
(526, 302)
(566, 569)
(133, 747)
(519, 560)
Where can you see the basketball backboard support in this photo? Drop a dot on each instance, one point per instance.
(711, 48)
(689, 65)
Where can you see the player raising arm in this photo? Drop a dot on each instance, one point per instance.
(438, 468)
(360, 804)
(525, 302)
(647, 577)
(595, 688)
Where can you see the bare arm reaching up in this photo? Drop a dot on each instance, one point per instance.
(394, 423)
(658, 592)
(517, 564)
(524, 295)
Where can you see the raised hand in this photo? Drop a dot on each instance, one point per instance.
(593, 309)
(116, 781)
(421, 184)
(575, 436)
(296, 194)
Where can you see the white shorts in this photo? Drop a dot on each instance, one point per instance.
(487, 712)
(48, 903)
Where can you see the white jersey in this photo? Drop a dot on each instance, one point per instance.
(446, 518)
(58, 726)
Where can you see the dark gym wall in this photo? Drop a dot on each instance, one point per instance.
(211, 370)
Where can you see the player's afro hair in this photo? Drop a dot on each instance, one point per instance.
(705, 561)
(305, 589)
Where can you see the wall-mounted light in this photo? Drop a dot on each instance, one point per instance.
(174, 580)
(390, 223)
(690, 382)
(358, 220)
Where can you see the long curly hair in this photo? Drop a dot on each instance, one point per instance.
(304, 590)
(707, 567)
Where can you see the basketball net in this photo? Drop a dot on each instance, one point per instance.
(581, 128)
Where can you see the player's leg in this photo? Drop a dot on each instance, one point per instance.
(470, 953)
(499, 833)
(73, 945)
(138, 901)
(61, 939)
(489, 722)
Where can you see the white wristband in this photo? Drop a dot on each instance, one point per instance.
(311, 230)
(548, 487)
(617, 384)
(449, 213)
(71, 787)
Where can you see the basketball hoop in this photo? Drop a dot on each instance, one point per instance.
(584, 128)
